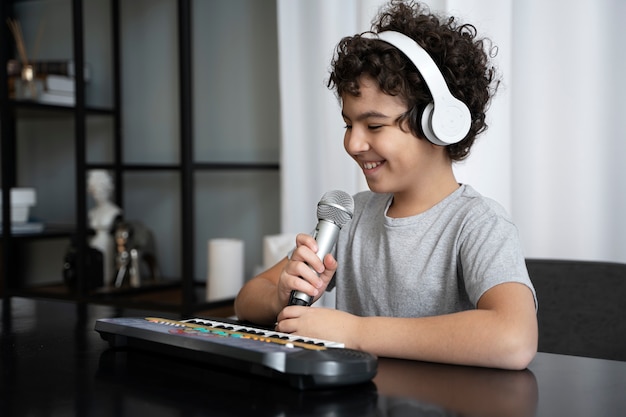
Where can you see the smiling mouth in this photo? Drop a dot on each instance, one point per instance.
(371, 165)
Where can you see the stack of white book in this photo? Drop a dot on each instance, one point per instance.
(59, 90)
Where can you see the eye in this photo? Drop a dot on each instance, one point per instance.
(374, 127)
(347, 126)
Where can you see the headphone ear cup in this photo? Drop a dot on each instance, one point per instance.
(427, 126)
(446, 125)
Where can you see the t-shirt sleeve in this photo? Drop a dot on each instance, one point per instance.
(490, 254)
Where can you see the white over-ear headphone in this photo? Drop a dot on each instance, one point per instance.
(446, 120)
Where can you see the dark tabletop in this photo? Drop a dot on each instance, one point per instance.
(54, 364)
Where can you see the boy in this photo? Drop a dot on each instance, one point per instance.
(427, 268)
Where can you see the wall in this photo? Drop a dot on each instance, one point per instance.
(568, 132)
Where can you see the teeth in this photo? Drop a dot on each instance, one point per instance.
(370, 165)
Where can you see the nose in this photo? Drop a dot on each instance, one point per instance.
(355, 141)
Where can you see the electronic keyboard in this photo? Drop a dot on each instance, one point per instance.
(299, 361)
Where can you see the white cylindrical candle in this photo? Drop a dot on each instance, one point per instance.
(225, 272)
(276, 247)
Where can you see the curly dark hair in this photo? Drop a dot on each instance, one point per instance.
(460, 55)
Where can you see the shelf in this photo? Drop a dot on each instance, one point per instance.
(102, 141)
(238, 166)
(35, 109)
(198, 166)
(163, 298)
(136, 167)
(12, 282)
(50, 231)
(52, 291)
(110, 293)
(167, 296)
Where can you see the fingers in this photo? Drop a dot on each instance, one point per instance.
(304, 262)
(304, 271)
(330, 264)
(288, 312)
(285, 321)
(321, 323)
(306, 251)
(300, 277)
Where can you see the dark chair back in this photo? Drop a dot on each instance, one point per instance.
(582, 307)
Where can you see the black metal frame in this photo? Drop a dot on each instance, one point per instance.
(186, 152)
(186, 167)
(8, 152)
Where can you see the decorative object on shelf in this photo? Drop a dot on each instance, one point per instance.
(59, 90)
(22, 199)
(63, 67)
(57, 98)
(276, 247)
(26, 86)
(102, 218)
(225, 270)
(135, 254)
(93, 267)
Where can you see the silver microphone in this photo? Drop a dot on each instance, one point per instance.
(334, 210)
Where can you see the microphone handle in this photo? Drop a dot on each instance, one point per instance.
(325, 234)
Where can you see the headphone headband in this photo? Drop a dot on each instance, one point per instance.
(446, 120)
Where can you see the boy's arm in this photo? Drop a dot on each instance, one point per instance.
(258, 300)
(500, 333)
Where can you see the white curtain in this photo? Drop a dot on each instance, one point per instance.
(312, 157)
(568, 89)
(554, 151)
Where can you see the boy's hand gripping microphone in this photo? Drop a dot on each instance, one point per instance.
(334, 210)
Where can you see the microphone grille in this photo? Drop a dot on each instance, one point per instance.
(336, 206)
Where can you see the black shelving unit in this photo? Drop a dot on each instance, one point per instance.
(184, 296)
(186, 150)
(12, 109)
(7, 130)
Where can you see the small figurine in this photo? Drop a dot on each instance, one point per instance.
(102, 219)
(135, 257)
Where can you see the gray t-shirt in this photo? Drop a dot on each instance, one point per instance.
(437, 262)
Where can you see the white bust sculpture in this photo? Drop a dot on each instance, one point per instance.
(101, 218)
